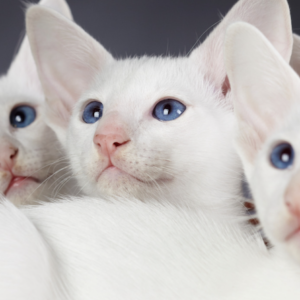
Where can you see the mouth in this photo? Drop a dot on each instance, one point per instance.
(113, 172)
(18, 182)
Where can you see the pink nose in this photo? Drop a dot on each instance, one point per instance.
(109, 139)
(7, 155)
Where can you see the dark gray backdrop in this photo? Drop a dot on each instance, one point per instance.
(131, 27)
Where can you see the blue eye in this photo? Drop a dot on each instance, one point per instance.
(282, 156)
(168, 110)
(22, 116)
(92, 112)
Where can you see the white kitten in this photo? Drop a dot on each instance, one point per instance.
(266, 96)
(148, 126)
(29, 150)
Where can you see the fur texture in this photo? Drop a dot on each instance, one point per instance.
(120, 249)
(32, 155)
(183, 160)
(266, 99)
(92, 248)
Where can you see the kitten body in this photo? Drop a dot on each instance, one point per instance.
(128, 151)
(83, 249)
(30, 155)
(266, 97)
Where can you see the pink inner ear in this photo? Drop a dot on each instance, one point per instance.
(226, 86)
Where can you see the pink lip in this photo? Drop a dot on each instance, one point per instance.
(18, 182)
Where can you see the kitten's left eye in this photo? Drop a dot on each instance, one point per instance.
(168, 110)
(22, 116)
(282, 156)
(92, 112)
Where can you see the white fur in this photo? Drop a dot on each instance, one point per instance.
(266, 97)
(25, 258)
(135, 250)
(295, 58)
(122, 249)
(189, 160)
(39, 153)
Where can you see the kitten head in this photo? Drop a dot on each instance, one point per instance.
(150, 125)
(266, 93)
(28, 147)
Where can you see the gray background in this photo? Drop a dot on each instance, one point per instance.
(131, 27)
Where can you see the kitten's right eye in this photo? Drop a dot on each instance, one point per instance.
(92, 112)
(282, 156)
(22, 116)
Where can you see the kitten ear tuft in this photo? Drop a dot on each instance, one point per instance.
(271, 17)
(264, 87)
(67, 60)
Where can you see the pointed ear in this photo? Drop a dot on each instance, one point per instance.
(271, 17)
(295, 59)
(60, 6)
(264, 87)
(67, 60)
(23, 67)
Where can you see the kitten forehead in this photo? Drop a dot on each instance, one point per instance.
(130, 79)
(12, 93)
(290, 126)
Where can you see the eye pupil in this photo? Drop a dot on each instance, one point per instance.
(285, 157)
(282, 156)
(19, 118)
(97, 114)
(168, 110)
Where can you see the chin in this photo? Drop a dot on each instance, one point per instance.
(293, 247)
(286, 237)
(114, 182)
(26, 194)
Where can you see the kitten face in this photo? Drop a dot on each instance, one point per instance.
(29, 151)
(121, 148)
(266, 94)
(27, 154)
(277, 185)
(157, 155)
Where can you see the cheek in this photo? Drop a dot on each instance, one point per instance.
(80, 145)
(269, 187)
(32, 136)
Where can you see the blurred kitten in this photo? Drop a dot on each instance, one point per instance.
(31, 159)
(266, 93)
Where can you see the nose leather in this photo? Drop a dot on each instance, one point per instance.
(110, 136)
(7, 155)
